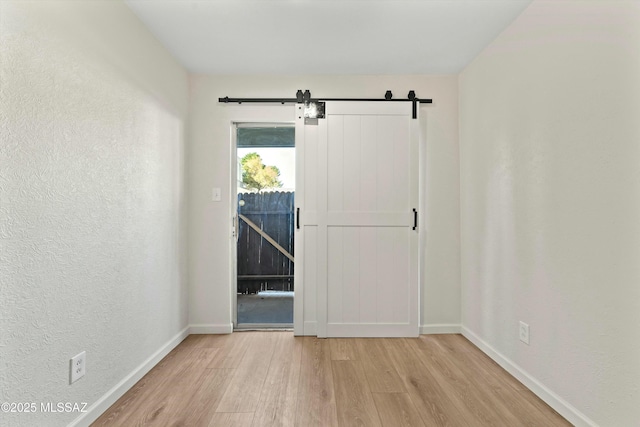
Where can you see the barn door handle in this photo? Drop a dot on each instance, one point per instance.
(415, 219)
(298, 218)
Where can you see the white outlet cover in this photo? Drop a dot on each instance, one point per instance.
(78, 367)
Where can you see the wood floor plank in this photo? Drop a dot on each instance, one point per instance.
(343, 349)
(553, 418)
(487, 410)
(497, 382)
(378, 367)
(215, 341)
(432, 402)
(397, 410)
(243, 392)
(222, 419)
(279, 397)
(484, 362)
(133, 398)
(272, 378)
(201, 405)
(141, 402)
(232, 349)
(165, 402)
(500, 394)
(452, 342)
(316, 398)
(353, 396)
(462, 347)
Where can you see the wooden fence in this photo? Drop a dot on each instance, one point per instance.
(265, 241)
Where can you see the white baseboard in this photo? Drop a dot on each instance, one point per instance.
(311, 328)
(440, 328)
(225, 328)
(110, 397)
(572, 415)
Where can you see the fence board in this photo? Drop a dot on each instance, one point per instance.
(273, 213)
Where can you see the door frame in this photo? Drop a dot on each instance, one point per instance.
(256, 120)
(286, 113)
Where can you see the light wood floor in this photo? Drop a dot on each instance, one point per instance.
(274, 379)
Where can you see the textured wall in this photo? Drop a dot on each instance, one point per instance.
(210, 157)
(91, 200)
(550, 201)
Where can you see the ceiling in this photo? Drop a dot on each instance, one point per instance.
(326, 36)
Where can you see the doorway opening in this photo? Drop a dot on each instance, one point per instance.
(265, 164)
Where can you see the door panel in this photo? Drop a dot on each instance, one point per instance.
(368, 169)
(310, 277)
(364, 268)
(365, 264)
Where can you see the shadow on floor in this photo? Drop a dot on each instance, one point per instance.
(265, 307)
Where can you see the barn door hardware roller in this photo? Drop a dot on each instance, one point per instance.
(314, 107)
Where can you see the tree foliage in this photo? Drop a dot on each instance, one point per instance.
(257, 176)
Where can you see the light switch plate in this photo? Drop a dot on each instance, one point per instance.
(216, 194)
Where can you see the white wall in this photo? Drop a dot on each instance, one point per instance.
(209, 166)
(550, 204)
(92, 117)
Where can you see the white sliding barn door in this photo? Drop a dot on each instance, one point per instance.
(361, 249)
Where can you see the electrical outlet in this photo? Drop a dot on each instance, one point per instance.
(524, 332)
(78, 367)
